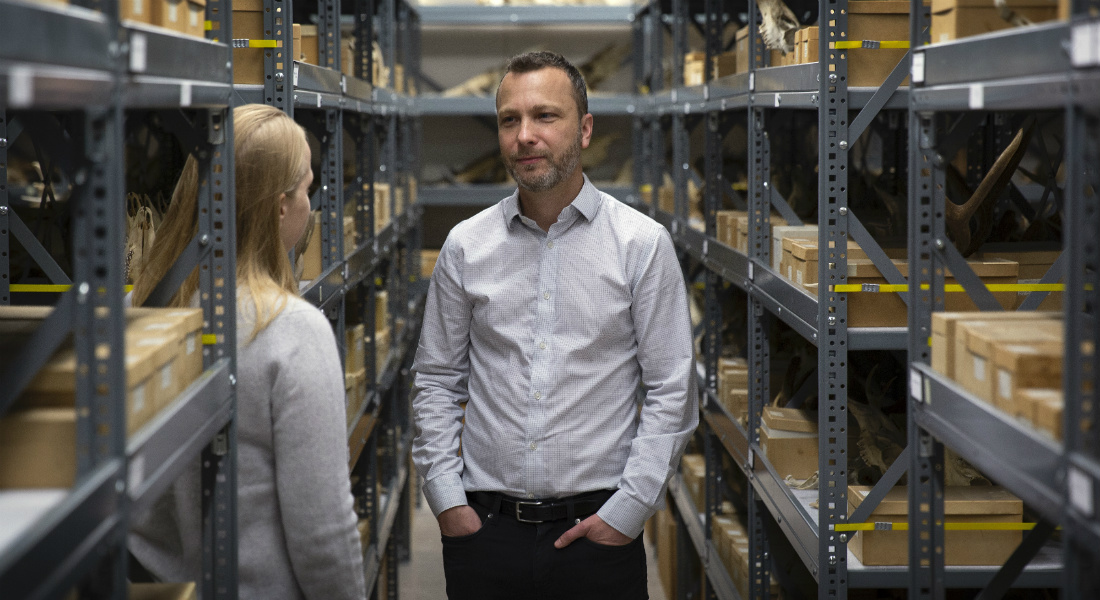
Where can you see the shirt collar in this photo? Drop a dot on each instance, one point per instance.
(587, 202)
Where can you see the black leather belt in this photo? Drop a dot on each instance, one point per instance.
(542, 511)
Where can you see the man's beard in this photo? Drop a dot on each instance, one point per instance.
(560, 168)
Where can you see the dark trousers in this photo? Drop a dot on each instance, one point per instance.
(510, 560)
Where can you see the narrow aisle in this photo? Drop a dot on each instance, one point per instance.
(422, 577)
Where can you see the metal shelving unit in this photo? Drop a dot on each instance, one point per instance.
(381, 123)
(84, 88)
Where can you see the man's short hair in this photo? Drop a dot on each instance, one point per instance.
(533, 61)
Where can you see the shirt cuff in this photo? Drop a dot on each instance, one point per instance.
(445, 491)
(625, 514)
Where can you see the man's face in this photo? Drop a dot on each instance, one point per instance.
(540, 133)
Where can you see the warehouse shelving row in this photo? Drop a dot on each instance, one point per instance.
(72, 99)
(1032, 70)
(337, 103)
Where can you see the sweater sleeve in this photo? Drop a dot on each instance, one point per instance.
(311, 461)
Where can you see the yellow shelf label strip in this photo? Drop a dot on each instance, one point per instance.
(240, 43)
(872, 45)
(49, 288)
(887, 526)
(209, 339)
(881, 288)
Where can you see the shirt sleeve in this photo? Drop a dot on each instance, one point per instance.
(311, 464)
(670, 411)
(441, 376)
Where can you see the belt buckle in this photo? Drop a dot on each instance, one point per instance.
(519, 510)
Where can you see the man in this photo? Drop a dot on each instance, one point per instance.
(545, 315)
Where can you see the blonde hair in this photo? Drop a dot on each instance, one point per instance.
(270, 160)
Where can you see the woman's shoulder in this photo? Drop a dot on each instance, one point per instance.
(299, 313)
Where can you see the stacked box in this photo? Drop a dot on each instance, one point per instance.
(954, 19)
(1034, 264)
(183, 327)
(381, 349)
(381, 206)
(172, 14)
(666, 549)
(138, 11)
(742, 56)
(788, 437)
(693, 469)
(976, 341)
(428, 259)
(944, 326)
(693, 68)
(1045, 408)
(962, 504)
(742, 230)
(356, 351)
(163, 591)
(726, 226)
(195, 22)
(867, 309)
(782, 232)
(1023, 365)
(355, 393)
(733, 387)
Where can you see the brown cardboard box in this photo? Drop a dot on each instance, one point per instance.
(725, 64)
(312, 255)
(347, 56)
(742, 230)
(248, 23)
(867, 309)
(944, 326)
(733, 382)
(781, 232)
(954, 19)
(399, 78)
(788, 437)
(693, 469)
(975, 341)
(172, 14)
(799, 262)
(726, 226)
(428, 259)
(195, 25)
(381, 206)
(183, 327)
(309, 54)
(666, 198)
(356, 352)
(1025, 365)
(38, 448)
(1045, 408)
(810, 41)
(962, 504)
(364, 532)
(355, 393)
(381, 310)
(163, 591)
(881, 21)
(693, 68)
(381, 349)
(139, 11)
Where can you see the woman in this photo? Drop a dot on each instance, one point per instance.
(296, 521)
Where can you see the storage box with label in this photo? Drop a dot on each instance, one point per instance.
(248, 23)
(954, 19)
(733, 383)
(799, 262)
(381, 206)
(139, 11)
(310, 54)
(877, 21)
(962, 504)
(693, 68)
(945, 324)
(726, 226)
(172, 14)
(1025, 365)
(975, 342)
(195, 25)
(782, 232)
(742, 57)
(788, 437)
(1045, 408)
(810, 40)
(183, 326)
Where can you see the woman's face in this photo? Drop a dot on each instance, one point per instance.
(294, 210)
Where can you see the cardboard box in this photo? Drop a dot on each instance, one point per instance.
(381, 310)
(962, 504)
(693, 68)
(975, 342)
(782, 232)
(309, 52)
(355, 393)
(1045, 408)
(172, 14)
(381, 206)
(725, 64)
(138, 11)
(38, 448)
(954, 19)
(810, 48)
(799, 262)
(248, 23)
(788, 437)
(428, 259)
(195, 25)
(733, 383)
(693, 469)
(163, 591)
(742, 230)
(726, 226)
(381, 349)
(944, 325)
(364, 532)
(866, 309)
(183, 326)
(1034, 264)
(356, 350)
(311, 258)
(1025, 365)
(880, 21)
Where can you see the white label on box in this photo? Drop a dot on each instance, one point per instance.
(915, 385)
(137, 10)
(139, 399)
(173, 12)
(193, 17)
(916, 70)
(157, 326)
(1080, 491)
(185, 93)
(979, 368)
(137, 472)
(138, 52)
(295, 76)
(977, 96)
(166, 376)
(1082, 46)
(798, 274)
(1004, 384)
(20, 86)
(191, 343)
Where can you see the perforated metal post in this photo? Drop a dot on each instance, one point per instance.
(328, 34)
(278, 86)
(5, 264)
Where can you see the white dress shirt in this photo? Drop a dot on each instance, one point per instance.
(547, 337)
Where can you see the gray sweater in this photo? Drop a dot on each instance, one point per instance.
(295, 515)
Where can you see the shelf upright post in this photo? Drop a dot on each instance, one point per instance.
(926, 277)
(328, 34)
(278, 63)
(1082, 362)
(5, 225)
(759, 355)
(681, 145)
(655, 73)
(832, 317)
(639, 122)
(387, 38)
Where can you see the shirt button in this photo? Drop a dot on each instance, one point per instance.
(550, 244)
(533, 445)
(546, 295)
(538, 395)
(530, 495)
(542, 345)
